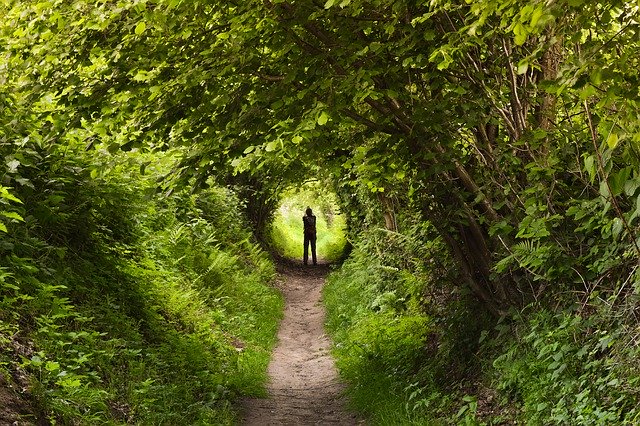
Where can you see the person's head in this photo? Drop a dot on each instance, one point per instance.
(309, 212)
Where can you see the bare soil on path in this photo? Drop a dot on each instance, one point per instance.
(304, 388)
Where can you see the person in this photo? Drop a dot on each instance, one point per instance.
(309, 221)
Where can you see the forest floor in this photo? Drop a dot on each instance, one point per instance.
(304, 388)
(13, 409)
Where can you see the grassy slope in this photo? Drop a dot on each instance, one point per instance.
(414, 357)
(149, 311)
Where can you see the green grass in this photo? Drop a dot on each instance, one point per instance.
(161, 318)
(386, 346)
(372, 346)
(409, 366)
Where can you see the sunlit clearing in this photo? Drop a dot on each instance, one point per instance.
(287, 232)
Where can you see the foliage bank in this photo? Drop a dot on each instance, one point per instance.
(405, 337)
(119, 305)
(417, 349)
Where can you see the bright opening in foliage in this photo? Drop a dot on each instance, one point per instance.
(287, 230)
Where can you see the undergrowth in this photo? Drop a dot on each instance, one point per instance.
(121, 306)
(404, 347)
(415, 351)
(575, 366)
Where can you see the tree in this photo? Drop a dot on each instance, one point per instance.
(489, 115)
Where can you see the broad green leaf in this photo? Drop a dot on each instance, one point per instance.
(604, 190)
(329, 3)
(520, 34)
(612, 140)
(523, 66)
(590, 167)
(52, 366)
(271, 146)
(616, 227)
(113, 148)
(12, 166)
(618, 180)
(323, 118)
(36, 360)
(536, 15)
(155, 92)
(631, 185)
(70, 383)
(236, 162)
(140, 28)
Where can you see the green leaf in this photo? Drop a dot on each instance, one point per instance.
(631, 185)
(616, 227)
(113, 148)
(523, 66)
(329, 3)
(271, 146)
(590, 167)
(323, 118)
(618, 180)
(12, 166)
(12, 215)
(604, 189)
(52, 366)
(143, 167)
(3, 227)
(536, 15)
(36, 360)
(612, 140)
(140, 28)
(4, 193)
(520, 34)
(69, 382)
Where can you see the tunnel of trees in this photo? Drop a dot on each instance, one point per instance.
(489, 149)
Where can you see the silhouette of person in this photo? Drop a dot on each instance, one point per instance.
(309, 221)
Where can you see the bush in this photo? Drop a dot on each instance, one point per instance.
(566, 367)
(120, 308)
(400, 358)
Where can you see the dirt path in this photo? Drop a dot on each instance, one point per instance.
(304, 387)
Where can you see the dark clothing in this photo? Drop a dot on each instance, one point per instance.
(309, 238)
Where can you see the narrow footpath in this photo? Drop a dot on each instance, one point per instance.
(304, 388)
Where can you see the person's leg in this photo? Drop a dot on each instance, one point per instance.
(313, 250)
(306, 248)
